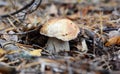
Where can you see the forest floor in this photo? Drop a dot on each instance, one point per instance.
(96, 49)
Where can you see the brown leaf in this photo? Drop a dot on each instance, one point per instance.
(2, 52)
(74, 16)
(85, 11)
(113, 40)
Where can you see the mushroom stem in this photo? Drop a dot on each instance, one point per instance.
(55, 45)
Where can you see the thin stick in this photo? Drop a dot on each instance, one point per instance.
(13, 25)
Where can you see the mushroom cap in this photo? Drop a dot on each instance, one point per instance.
(60, 28)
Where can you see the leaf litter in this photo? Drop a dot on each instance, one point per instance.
(96, 50)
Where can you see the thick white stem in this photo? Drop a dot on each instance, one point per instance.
(55, 45)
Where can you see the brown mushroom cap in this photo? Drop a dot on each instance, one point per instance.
(61, 28)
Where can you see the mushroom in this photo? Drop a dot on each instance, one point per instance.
(60, 31)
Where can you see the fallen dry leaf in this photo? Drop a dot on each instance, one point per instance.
(113, 40)
(2, 52)
(85, 11)
(36, 52)
(74, 16)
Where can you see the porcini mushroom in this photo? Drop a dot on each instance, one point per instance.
(60, 31)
